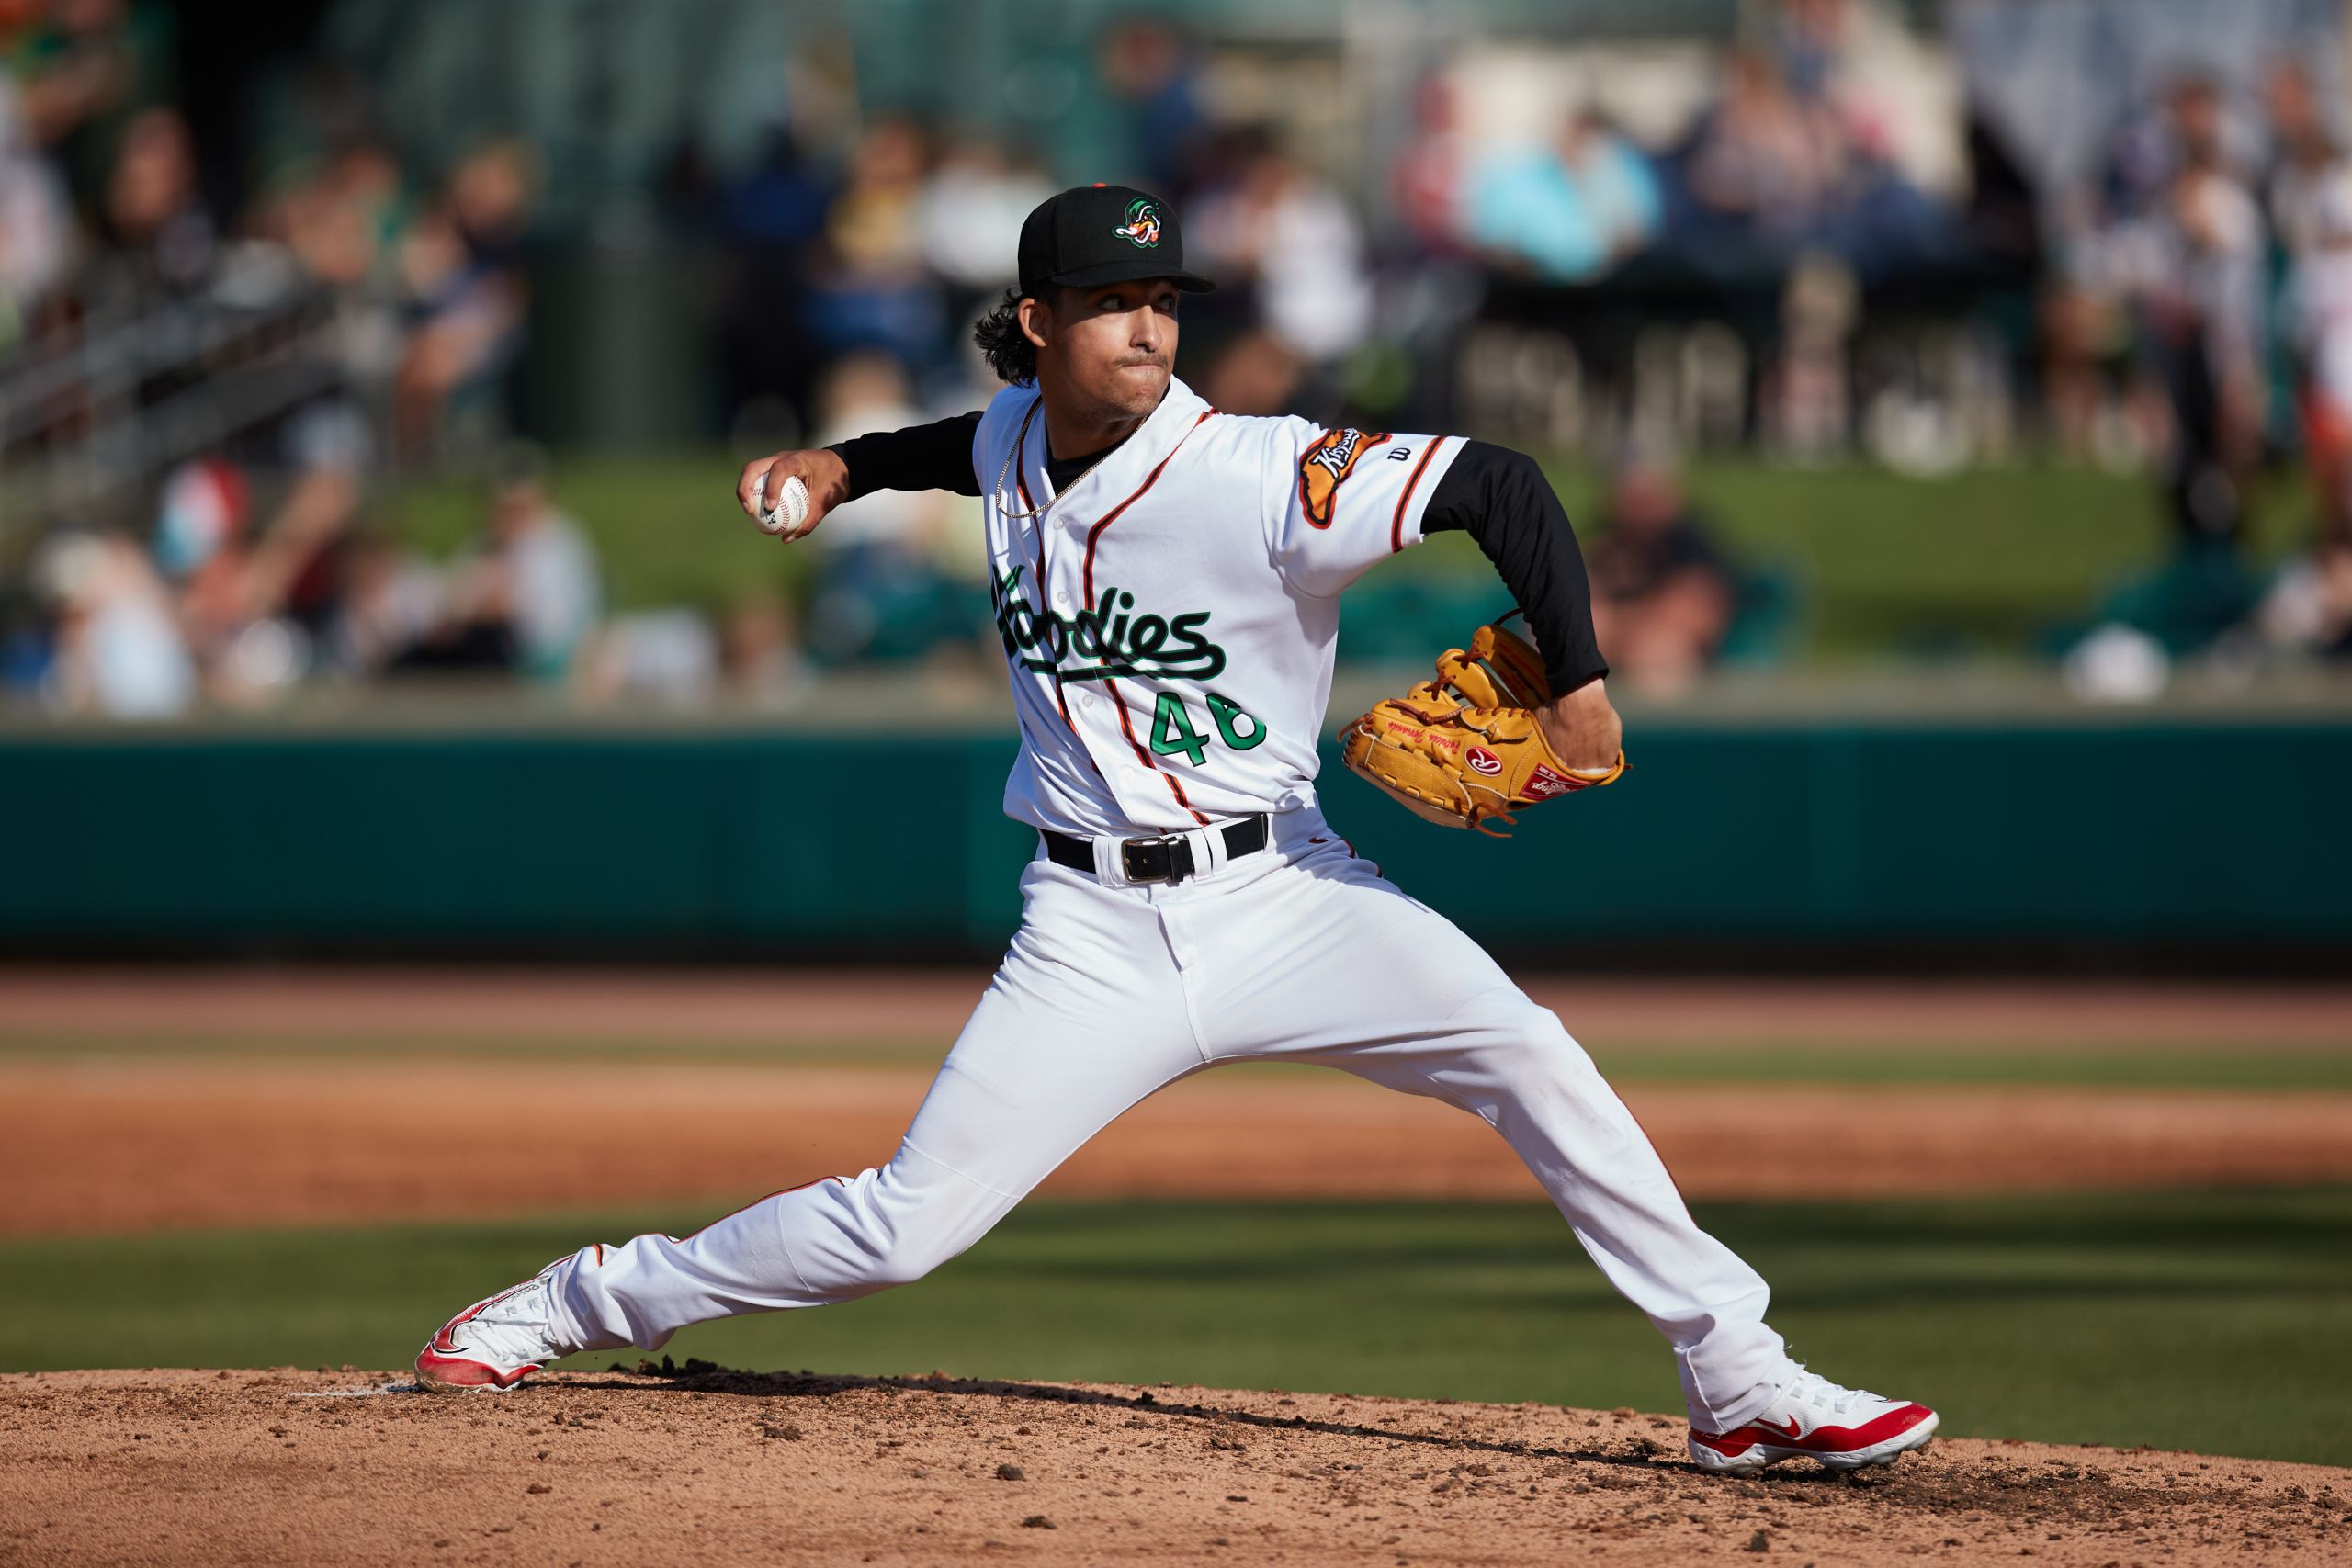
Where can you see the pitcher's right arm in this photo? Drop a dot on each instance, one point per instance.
(922, 456)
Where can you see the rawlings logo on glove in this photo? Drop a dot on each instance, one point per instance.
(1466, 749)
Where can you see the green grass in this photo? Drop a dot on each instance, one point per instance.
(2170, 1065)
(1990, 560)
(2200, 1321)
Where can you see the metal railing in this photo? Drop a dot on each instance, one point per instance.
(87, 423)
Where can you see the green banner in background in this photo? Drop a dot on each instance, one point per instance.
(1812, 838)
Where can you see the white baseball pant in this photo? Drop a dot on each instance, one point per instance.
(1298, 953)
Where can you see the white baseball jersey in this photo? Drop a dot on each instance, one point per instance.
(1169, 619)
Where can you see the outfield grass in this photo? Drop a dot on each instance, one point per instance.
(1990, 560)
(2204, 1322)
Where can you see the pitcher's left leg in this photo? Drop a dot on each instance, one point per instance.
(1336, 966)
(1511, 1063)
(1504, 1058)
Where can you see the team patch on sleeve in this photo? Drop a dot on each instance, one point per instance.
(1326, 465)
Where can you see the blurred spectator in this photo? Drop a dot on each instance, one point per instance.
(669, 656)
(973, 206)
(2192, 266)
(2309, 608)
(1806, 35)
(317, 458)
(2003, 215)
(462, 271)
(340, 217)
(254, 601)
(201, 549)
(37, 238)
(1765, 156)
(118, 652)
(390, 602)
(871, 289)
(1662, 597)
(971, 210)
(773, 217)
(522, 600)
(1569, 210)
(157, 229)
(1806, 401)
(761, 647)
(1271, 223)
(1781, 165)
(2311, 207)
(201, 525)
(1151, 70)
(88, 68)
(881, 592)
(1427, 182)
(1254, 373)
(541, 569)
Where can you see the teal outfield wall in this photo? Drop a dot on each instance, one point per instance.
(2222, 840)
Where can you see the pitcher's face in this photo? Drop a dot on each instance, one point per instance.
(1114, 346)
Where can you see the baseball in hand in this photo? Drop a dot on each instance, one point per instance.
(790, 509)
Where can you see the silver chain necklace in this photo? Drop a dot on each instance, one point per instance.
(1020, 446)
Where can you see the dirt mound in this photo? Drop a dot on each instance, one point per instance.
(603, 1468)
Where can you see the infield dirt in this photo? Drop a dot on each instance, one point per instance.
(120, 1141)
(289, 1137)
(286, 1467)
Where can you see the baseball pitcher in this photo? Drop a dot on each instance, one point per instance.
(1167, 580)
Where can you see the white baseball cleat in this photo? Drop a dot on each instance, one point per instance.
(494, 1344)
(1845, 1428)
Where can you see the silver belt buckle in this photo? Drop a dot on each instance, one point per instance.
(1127, 848)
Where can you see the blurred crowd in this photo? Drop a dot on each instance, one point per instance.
(242, 566)
(2201, 314)
(2190, 310)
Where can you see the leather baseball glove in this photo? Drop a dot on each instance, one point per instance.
(1465, 749)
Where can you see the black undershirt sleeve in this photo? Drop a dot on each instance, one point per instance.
(923, 456)
(1502, 499)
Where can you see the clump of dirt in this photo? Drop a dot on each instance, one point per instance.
(701, 1465)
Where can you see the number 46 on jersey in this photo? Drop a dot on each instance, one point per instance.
(1174, 734)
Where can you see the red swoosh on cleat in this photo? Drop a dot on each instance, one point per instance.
(1827, 1439)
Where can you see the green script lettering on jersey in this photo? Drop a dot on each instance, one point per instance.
(1113, 638)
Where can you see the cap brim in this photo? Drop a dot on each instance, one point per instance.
(1133, 271)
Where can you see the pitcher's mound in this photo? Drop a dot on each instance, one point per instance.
(707, 1467)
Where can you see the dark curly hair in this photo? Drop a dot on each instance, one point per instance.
(1002, 344)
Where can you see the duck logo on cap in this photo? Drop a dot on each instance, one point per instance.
(1142, 227)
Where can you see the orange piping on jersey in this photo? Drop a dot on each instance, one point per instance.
(1175, 786)
(1396, 528)
(1021, 480)
(1112, 516)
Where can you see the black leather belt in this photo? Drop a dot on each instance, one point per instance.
(1156, 860)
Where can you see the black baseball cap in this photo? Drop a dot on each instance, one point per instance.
(1092, 235)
